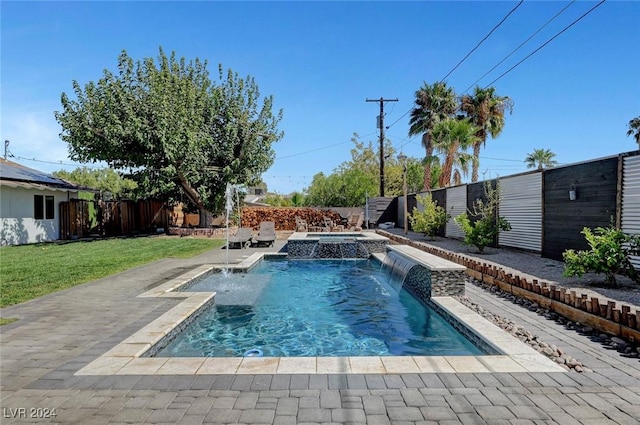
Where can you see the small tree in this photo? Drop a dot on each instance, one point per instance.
(609, 253)
(488, 225)
(431, 219)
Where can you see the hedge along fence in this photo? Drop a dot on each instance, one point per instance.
(284, 218)
(601, 315)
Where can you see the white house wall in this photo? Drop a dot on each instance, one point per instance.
(18, 225)
(456, 205)
(521, 205)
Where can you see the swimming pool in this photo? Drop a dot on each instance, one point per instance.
(298, 308)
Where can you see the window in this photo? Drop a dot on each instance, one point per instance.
(38, 207)
(48, 207)
(43, 207)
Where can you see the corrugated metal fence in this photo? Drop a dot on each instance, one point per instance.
(544, 216)
(630, 217)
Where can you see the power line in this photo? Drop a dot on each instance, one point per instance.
(396, 121)
(312, 150)
(520, 46)
(502, 159)
(55, 162)
(561, 11)
(319, 149)
(546, 42)
(482, 41)
(468, 54)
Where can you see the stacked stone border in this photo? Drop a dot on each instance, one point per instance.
(209, 232)
(602, 315)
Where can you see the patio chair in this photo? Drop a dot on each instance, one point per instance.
(328, 224)
(301, 225)
(331, 226)
(354, 223)
(242, 237)
(266, 234)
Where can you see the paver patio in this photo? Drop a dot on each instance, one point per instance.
(61, 333)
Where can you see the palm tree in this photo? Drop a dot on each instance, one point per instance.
(542, 158)
(634, 127)
(433, 103)
(451, 138)
(486, 110)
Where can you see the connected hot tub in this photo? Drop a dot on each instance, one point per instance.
(303, 245)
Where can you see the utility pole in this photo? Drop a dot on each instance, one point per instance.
(381, 127)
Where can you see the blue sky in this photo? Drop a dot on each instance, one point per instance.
(321, 60)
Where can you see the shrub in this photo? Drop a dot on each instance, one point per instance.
(488, 225)
(609, 253)
(431, 219)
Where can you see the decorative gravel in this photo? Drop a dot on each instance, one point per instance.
(627, 292)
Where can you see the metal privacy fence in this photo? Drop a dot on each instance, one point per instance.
(548, 209)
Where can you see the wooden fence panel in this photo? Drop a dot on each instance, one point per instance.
(382, 210)
(596, 188)
(152, 214)
(74, 219)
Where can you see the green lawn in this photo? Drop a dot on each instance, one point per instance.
(30, 271)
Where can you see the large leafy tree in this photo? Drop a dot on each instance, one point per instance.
(451, 139)
(486, 110)
(634, 129)
(177, 131)
(541, 159)
(433, 103)
(352, 181)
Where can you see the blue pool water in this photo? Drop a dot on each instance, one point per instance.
(296, 308)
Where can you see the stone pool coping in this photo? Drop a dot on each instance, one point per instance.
(361, 236)
(126, 358)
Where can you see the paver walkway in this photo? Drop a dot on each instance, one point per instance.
(60, 333)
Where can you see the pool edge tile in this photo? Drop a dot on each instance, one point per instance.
(258, 365)
(333, 365)
(295, 365)
(219, 366)
(366, 364)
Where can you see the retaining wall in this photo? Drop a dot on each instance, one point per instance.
(603, 315)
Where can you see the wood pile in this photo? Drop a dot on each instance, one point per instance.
(284, 218)
(603, 315)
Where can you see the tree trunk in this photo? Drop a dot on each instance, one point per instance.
(476, 163)
(194, 196)
(426, 142)
(205, 217)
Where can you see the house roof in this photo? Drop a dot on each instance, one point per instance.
(16, 175)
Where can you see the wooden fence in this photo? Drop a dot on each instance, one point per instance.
(112, 218)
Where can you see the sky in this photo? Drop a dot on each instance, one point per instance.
(322, 60)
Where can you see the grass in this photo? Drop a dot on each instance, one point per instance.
(30, 271)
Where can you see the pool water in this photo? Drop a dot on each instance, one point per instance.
(302, 308)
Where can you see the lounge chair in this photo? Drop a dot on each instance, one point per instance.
(355, 223)
(331, 226)
(266, 234)
(242, 237)
(301, 225)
